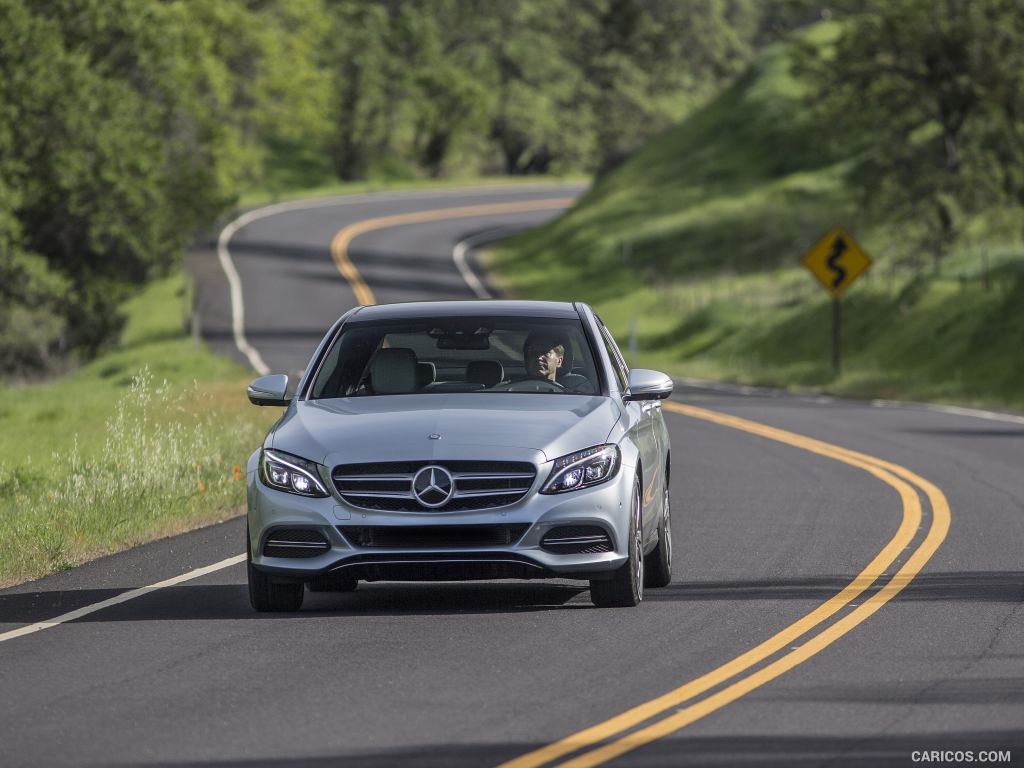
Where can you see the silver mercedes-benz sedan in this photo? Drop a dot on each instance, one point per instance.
(462, 440)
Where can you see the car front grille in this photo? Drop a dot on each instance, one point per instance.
(432, 536)
(576, 540)
(298, 542)
(388, 486)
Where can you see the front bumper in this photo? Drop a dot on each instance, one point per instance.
(605, 506)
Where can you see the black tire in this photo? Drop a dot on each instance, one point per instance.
(333, 583)
(270, 596)
(658, 564)
(626, 587)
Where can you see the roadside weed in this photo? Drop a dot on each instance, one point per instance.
(169, 459)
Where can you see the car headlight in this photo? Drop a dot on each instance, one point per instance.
(583, 469)
(285, 472)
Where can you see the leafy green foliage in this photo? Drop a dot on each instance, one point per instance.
(123, 127)
(545, 84)
(936, 93)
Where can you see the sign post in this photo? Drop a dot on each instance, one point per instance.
(836, 261)
(836, 336)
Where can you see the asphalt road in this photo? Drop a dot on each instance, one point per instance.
(767, 530)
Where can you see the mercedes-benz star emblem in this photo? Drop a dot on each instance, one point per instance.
(433, 486)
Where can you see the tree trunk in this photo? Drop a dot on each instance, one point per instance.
(434, 153)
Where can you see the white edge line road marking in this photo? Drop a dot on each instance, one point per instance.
(459, 257)
(123, 597)
(465, 268)
(237, 307)
(955, 410)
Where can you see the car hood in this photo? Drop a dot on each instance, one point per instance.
(398, 427)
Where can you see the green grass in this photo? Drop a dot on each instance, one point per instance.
(142, 442)
(696, 242)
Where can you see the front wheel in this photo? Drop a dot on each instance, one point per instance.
(626, 587)
(266, 595)
(658, 566)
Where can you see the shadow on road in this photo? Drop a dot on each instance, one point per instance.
(974, 433)
(242, 248)
(766, 751)
(969, 586)
(231, 601)
(962, 690)
(269, 334)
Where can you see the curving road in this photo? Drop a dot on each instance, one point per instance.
(849, 584)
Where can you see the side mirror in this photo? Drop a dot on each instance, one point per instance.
(269, 390)
(647, 385)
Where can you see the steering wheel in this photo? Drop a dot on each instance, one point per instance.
(535, 385)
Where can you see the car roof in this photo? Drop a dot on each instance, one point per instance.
(499, 307)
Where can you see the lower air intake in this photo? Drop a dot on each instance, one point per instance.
(576, 540)
(441, 566)
(432, 536)
(298, 542)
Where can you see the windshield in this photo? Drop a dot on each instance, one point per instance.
(458, 354)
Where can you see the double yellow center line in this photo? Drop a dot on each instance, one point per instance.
(343, 239)
(662, 716)
(614, 737)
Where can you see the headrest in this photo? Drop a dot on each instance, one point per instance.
(426, 373)
(486, 372)
(393, 371)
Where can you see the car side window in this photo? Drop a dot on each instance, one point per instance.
(621, 369)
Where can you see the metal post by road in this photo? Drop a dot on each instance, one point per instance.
(835, 334)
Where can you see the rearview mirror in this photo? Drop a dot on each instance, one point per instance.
(647, 385)
(269, 390)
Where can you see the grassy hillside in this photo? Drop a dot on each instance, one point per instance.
(696, 243)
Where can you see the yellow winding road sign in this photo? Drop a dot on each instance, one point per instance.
(836, 260)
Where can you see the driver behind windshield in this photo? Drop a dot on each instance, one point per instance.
(543, 354)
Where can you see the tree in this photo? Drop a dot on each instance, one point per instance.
(938, 86)
(533, 122)
(366, 81)
(124, 126)
(570, 83)
(446, 50)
